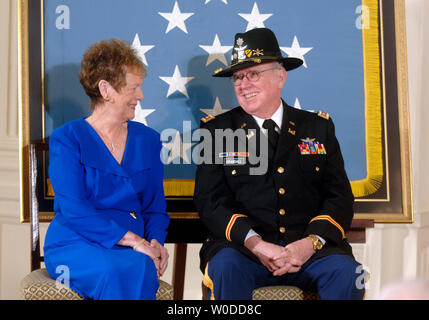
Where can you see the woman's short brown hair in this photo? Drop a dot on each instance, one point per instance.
(108, 60)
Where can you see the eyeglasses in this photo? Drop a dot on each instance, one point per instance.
(252, 76)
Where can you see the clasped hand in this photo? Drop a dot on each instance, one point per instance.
(281, 260)
(157, 253)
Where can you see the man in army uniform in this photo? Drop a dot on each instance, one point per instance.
(287, 225)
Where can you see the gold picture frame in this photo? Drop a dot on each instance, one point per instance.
(397, 208)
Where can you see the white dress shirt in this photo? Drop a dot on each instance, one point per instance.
(277, 117)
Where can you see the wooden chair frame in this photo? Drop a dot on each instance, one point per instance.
(36, 257)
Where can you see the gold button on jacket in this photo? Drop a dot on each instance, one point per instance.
(281, 195)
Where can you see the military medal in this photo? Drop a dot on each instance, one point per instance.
(310, 146)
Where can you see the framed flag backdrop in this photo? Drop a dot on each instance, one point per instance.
(354, 68)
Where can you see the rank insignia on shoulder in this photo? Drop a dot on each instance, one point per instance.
(323, 115)
(207, 118)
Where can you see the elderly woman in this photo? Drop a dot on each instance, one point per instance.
(110, 213)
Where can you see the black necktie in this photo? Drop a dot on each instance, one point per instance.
(273, 136)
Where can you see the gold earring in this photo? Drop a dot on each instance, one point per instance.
(107, 99)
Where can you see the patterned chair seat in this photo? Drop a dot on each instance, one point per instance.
(38, 285)
(283, 293)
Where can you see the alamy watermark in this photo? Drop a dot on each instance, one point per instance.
(220, 146)
(363, 279)
(63, 19)
(362, 21)
(64, 276)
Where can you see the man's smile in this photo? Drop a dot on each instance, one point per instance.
(250, 95)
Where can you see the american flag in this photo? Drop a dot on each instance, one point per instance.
(182, 42)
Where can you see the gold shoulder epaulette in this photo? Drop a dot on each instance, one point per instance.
(207, 118)
(323, 115)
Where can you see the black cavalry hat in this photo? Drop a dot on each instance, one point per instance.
(254, 47)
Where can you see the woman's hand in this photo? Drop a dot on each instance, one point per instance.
(152, 251)
(163, 257)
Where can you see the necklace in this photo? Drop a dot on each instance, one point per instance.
(109, 143)
(114, 149)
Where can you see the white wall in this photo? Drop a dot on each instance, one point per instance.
(395, 252)
(392, 252)
(14, 238)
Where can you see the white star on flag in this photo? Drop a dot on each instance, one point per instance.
(176, 19)
(255, 19)
(216, 51)
(297, 105)
(217, 109)
(296, 51)
(141, 114)
(224, 1)
(141, 50)
(178, 149)
(177, 82)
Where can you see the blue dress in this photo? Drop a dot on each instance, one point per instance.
(97, 201)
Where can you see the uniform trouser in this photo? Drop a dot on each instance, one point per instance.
(233, 276)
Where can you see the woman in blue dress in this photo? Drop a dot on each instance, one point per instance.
(110, 220)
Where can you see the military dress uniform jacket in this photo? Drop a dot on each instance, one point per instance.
(304, 191)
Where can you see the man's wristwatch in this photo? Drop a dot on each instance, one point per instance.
(317, 244)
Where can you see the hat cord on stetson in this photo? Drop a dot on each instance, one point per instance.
(256, 60)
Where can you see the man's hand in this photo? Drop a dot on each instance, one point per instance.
(265, 251)
(293, 256)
